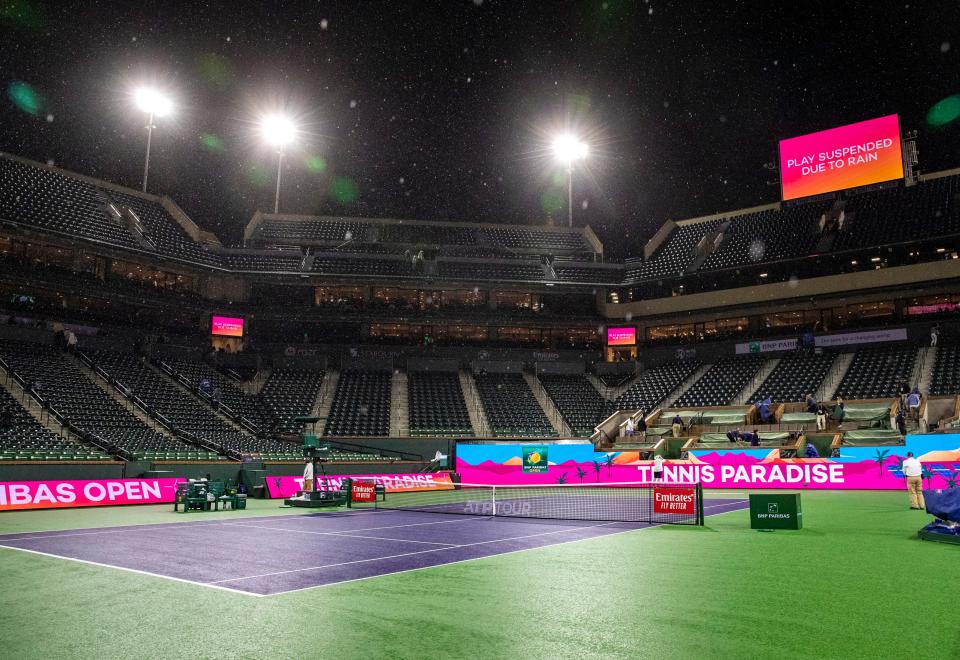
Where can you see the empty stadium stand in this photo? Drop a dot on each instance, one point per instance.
(290, 393)
(511, 407)
(183, 412)
(722, 382)
(82, 404)
(672, 258)
(437, 407)
(23, 438)
(794, 377)
(223, 388)
(361, 404)
(654, 384)
(578, 401)
(877, 372)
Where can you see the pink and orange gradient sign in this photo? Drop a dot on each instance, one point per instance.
(845, 157)
(621, 336)
(227, 326)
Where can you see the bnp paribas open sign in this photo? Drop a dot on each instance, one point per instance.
(775, 511)
(535, 458)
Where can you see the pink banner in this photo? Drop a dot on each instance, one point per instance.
(839, 158)
(100, 492)
(281, 487)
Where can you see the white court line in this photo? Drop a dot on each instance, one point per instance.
(463, 561)
(134, 570)
(173, 525)
(344, 534)
(408, 554)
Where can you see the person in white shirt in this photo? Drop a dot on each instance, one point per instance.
(630, 427)
(308, 476)
(913, 471)
(658, 468)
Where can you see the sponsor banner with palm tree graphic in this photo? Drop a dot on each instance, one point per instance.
(861, 467)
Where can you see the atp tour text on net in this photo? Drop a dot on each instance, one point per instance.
(769, 473)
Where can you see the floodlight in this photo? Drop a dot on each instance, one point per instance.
(568, 148)
(278, 130)
(153, 102)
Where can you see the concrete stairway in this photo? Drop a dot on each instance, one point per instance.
(923, 368)
(399, 406)
(478, 417)
(685, 385)
(324, 401)
(746, 395)
(610, 393)
(837, 371)
(549, 408)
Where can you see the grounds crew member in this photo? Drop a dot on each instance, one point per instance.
(913, 471)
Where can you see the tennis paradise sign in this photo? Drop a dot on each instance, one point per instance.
(98, 492)
(282, 487)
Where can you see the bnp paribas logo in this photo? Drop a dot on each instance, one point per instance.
(773, 507)
(535, 458)
(754, 347)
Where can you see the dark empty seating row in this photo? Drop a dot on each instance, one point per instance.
(578, 401)
(49, 200)
(769, 235)
(437, 406)
(795, 376)
(878, 372)
(428, 234)
(477, 270)
(722, 382)
(162, 230)
(945, 378)
(516, 237)
(344, 265)
(588, 274)
(511, 407)
(223, 389)
(896, 215)
(84, 405)
(284, 262)
(671, 258)
(654, 384)
(361, 404)
(291, 232)
(290, 393)
(180, 409)
(23, 438)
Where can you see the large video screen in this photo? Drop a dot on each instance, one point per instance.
(621, 336)
(846, 157)
(227, 326)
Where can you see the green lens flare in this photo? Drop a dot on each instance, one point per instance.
(259, 176)
(212, 142)
(552, 200)
(945, 111)
(25, 97)
(344, 190)
(315, 164)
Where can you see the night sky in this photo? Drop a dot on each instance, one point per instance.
(444, 110)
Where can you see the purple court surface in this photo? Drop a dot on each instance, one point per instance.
(278, 554)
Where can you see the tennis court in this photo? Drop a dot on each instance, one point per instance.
(278, 554)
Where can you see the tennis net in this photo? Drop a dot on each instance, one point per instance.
(679, 504)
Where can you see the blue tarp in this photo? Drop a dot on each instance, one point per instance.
(944, 504)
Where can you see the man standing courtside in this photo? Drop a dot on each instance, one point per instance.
(913, 471)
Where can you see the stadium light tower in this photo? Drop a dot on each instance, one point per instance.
(568, 148)
(155, 104)
(278, 131)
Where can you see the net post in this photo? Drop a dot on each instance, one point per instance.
(494, 500)
(700, 504)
